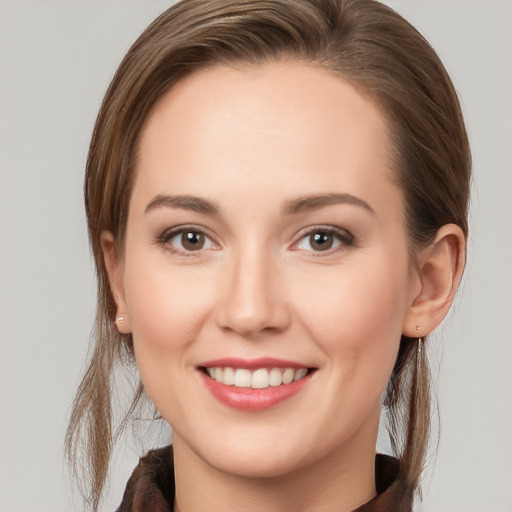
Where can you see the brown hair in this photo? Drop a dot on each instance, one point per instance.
(363, 42)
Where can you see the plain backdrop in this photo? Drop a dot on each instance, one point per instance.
(56, 60)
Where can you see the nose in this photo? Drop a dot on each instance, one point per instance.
(254, 298)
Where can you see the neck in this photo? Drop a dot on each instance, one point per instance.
(340, 482)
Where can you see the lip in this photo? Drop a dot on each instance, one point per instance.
(251, 364)
(248, 399)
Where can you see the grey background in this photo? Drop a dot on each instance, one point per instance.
(56, 60)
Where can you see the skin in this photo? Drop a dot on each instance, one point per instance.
(251, 142)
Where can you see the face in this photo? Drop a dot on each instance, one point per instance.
(266, 277)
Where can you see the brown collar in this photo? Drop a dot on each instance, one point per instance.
(151, 486)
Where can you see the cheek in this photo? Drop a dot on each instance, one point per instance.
(356, 317)
(166, 308)
(166, 312)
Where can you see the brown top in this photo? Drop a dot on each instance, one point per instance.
(151, 486)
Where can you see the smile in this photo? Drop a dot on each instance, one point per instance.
(260, 378)
(254, 385)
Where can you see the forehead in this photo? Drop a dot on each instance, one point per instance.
(289, 124)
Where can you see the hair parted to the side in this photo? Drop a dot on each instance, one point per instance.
(363, 42)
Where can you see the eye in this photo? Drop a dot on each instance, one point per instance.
(186, 240)
(324, 240)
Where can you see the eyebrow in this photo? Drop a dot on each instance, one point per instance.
(315, 202)
(195, 204)
(299, 205)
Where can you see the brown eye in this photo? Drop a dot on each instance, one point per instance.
(326, 240)
(186, 241)
(321, 241)
(192, 240)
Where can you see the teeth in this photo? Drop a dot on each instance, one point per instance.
(299, 374)
(275, 377)
(229, 376)
(288, 376)
(258, 379)
(242, 378)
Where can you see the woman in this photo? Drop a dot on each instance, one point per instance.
(277, 200)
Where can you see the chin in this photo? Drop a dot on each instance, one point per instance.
(257, 463)
(255, 454)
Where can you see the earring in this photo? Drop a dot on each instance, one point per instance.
(119, 321)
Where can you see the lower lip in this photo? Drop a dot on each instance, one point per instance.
(248, 399)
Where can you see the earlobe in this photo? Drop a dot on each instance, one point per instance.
(114, 269)
(440, 267)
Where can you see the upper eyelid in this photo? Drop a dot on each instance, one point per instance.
(345, 236)
(170, 232)
(163, 241)
(175, 230)
(326, 228)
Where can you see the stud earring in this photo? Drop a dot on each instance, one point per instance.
(119, 321)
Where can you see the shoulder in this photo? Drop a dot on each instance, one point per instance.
(393, 495)
(151, 486)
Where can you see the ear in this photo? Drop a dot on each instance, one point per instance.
(114, 268)
(440, 267)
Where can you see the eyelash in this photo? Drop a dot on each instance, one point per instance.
(345, 239)
(164, 239)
